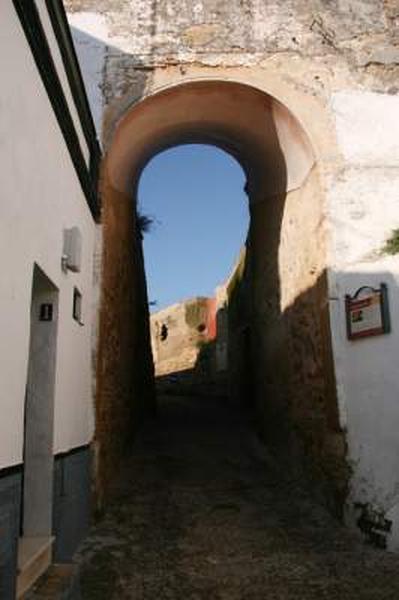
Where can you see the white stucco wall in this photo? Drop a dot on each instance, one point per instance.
(90, 36)
(363, 210)
(40, 196)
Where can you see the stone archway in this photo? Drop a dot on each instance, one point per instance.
(284, 276)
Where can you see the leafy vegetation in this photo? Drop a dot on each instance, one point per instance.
(144, 223)
(392, 244)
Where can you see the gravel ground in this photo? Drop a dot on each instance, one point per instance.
(197, 516)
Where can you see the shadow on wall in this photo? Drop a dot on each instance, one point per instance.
(280, 362)
(285, 388)
(280, 357)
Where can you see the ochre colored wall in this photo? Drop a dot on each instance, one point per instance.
(280, 356)
(124, 367)
(190, 325)
(295, 385)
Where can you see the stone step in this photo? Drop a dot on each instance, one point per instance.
(60, 582)
(34, 558)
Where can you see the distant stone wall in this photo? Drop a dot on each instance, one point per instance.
(180, 334)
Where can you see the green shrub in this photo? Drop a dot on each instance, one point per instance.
(392, 243)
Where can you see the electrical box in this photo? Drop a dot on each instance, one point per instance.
(72, 255)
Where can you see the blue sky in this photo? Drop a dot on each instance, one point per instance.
(196, 196)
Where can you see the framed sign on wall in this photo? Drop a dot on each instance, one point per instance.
(367, 312)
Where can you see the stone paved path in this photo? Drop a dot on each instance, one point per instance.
(197, 516)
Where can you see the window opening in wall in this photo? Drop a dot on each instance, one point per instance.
(164, 333)
(77, 306)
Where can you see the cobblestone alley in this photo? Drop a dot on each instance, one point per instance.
(199, 515)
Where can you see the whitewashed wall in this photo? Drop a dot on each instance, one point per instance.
(90, 37)
(40, 196)
(364, 209)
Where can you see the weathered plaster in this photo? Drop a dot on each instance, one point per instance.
(367, 128)
(363, 211)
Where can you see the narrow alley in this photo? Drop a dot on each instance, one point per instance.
(200, 513)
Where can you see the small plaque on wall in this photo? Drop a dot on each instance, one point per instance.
(46, 312)
(367, 312)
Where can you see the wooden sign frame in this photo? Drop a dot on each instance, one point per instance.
(367, 312)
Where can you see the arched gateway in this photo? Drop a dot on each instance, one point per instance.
(283, 293)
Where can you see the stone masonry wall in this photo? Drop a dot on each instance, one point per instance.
(350, 42)
(176, 335)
